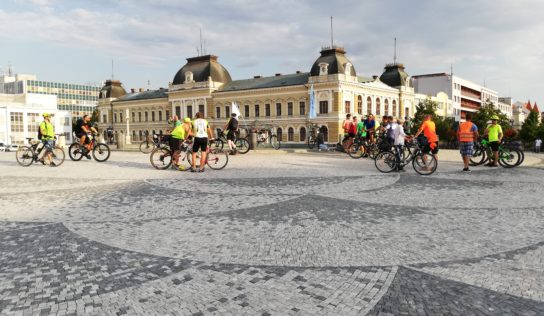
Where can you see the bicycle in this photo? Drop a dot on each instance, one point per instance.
(149, 144)
(26, 155)
(100, 151)
(423, 163)
(241, 143)
(161, 157)
(216, 158)
(267, 135)
(509, 157)
(312, 136)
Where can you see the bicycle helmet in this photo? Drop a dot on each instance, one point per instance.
(187, 120)
(494, 118)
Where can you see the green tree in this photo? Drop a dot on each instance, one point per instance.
(444, 126)
(530, 128)
(485, 113)
(423, 108)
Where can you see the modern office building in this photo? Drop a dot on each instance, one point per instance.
(21, 114)
(78, 99)
(281, 101)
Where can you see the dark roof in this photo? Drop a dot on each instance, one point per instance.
(203, 67)
(145, 95)
(267, 82)
(336, 59)
(394, 75)
(113, 89)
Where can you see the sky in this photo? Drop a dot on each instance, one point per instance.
(493, 42)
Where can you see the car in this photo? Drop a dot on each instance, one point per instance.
(12, 147)
(2, 147)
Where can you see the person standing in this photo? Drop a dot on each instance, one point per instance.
(494, 133)
(466, 135)
(47, 130)
(398, 136)
(538, 143)
(201, 133)
(232, 128)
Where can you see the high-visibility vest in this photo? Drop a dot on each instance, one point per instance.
(465, 135)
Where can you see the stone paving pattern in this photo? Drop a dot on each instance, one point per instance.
(269, 235)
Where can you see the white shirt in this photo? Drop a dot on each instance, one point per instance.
(399, 134)
(538, 142)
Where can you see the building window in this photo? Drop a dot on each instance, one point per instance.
(386, 105)
(140, 134)
(105, 118)
(121, 117)
(227, 111)
(201, 109)
(189, 111)
(325, 131)
(407, 112)
(160, 116)
(267, 110)
(32, 122)
(134, 135)
(139, 116)
(290, 108)
(178, 111)
(279, 133)
(167, 114)
(323, 107)
(66, 121)
(347, 107)
(303, 134)
(152, 116)
(290, 134)
(146, 116)
(378, 105)
(394, 108)
(246, 110)
(257, 110)
(115, 117)
(278, 109)
(302, 108)
(217, 112)
(368, 105)
(360, 105)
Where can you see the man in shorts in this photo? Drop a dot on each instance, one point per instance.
(82, 130)
(48, 138)
(201, 133)
(466, 134)
(428, 128)
(494, 133)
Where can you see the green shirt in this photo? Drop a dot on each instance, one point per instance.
(178, 132)
(360, 127)
(48, 130)
(493, 132)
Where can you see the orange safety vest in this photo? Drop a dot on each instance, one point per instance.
(465, 135)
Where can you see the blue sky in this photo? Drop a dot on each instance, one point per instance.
(74, 41)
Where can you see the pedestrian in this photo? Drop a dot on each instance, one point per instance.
(494, 133)
(47, 132)
(538, 142)
(466, 135)
(201, 134)
(398, 135)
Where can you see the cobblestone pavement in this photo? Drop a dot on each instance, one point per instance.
(290, 234)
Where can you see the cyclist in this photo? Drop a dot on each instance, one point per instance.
(83, 128)
(47, 130)
(428, 128)
(201, 133)
(466, 134)
(179, 134)
(370, 125)
(398, 141)
(352, 131)
(494, 133)
(231, 128)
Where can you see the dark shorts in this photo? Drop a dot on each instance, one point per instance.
(231, 135)
(48, 145)
(80, 135)
(494, 146)
(174, 143)
(200, 143)
(427, 148)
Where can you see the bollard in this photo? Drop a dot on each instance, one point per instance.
(61, 141)
(252, 140)
(121, 141)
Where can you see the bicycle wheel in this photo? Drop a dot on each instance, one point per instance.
(522, 157)
(74, 151)
(24, 156)
(101, 152)
(385, 161)
(311, 142)
(509, 158)
(373, 151)
(146, 146)
(217, 159)
(356, 151)
(424, 164)
(275, 142)
(160, 158)
(58, 156)
(242, 145)
(478, 156)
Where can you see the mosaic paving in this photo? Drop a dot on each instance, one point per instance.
(356, 243)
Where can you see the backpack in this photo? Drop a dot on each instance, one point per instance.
(234, 124)
(39, 132)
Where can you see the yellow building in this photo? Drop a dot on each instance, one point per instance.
(281, 101)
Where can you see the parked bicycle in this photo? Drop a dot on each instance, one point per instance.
(509, 156)
(161, 157)
(153, 142)
(26, 155)
(100, 151)
(241, 143)
(311, 141)
(423, 163)
(267, 136)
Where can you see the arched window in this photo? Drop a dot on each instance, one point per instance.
(133, 135)
(140, 135)
(386, 105)
(303, 134)
(153, 132)
(378, 105)
(360, 105)
(279, 133)
(394, 108)
(290, 134)
(325, 132)
(407, 112)
(368, 105)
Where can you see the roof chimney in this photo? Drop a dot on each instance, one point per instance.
(256, 77)
(278, 74)
(299, 72)
(141, 90)
(374, 77)
(132, 90)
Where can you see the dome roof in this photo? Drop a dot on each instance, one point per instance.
(203, 67)
(394, 75)
(336, 59)
(112, 89)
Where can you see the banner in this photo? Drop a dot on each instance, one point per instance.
(312, 113)
(236, 110)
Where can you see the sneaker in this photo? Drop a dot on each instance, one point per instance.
(181, 168)
(52, 164)
(466, 169)
(88, 156)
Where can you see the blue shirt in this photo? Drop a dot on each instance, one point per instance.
(369, 124)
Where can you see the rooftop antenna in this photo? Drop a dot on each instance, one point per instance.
(10, 69)
(201, 50)
(332, 41)
(451, 69)
(148, 84)
(112, 69)
(395, 52)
